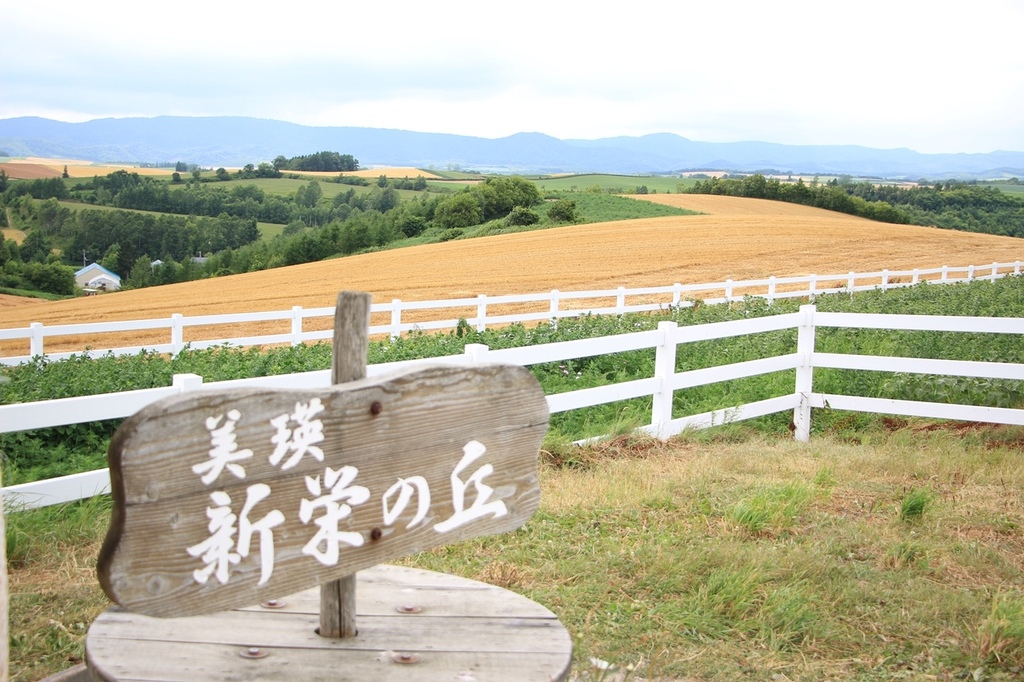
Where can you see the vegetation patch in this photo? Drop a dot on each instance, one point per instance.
(637, 549)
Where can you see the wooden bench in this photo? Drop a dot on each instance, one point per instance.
(241, 518)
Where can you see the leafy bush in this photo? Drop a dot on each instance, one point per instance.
(522, 216)
(563, 211)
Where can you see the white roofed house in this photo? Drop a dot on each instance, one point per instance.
(95, 276)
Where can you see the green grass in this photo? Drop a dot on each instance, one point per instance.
(1008, 188)
(638, 550)
(614, 184)
(28, 293)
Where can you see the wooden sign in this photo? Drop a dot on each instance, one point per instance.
(227, 499)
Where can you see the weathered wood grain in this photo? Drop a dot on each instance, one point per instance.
(349, 354)
(4, 617)
(416, 423)
(453, 636)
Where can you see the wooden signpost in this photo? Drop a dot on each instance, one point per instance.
(228, 499)
(232, 508)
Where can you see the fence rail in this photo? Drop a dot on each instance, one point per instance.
(546, 306)
(660, 387)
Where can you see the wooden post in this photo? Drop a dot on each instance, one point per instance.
(348, 363)
(4, 642)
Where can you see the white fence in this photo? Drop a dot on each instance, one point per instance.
(546, 306)
(660, 387)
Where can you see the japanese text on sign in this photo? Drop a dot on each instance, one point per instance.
(332, 495)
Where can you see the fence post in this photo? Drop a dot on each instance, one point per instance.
(771, 289)
(677, 292)
(177, 333)
(885, 280)
(396, 318)
(995, 271)
(804, 374)
(554, 307)
(970, 273)
(481, 312)
(476, 353)
(186, 382)
(1016, 267)
(664, 371)
(917, 276)
(296, 325)
(812, 286)
(851, 282)
(35, 341)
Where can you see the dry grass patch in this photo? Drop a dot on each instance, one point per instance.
(17, 236)
(641, 550)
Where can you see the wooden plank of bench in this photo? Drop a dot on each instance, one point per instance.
(457, 629)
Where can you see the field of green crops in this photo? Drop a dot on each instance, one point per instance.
(69, 449)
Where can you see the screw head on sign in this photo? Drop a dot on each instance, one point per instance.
(274, 604)
(408, 608)
(404, 658)
(253, 652)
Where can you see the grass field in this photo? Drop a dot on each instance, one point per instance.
(728, 556)
(737, 238)
(1009, 189)
(619, 184)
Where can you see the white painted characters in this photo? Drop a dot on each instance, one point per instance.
(333, 496)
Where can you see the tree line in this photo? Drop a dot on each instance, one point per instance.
(951, 204)
(129, 243)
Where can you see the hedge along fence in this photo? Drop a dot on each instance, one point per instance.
(661, 388)
(479, 312)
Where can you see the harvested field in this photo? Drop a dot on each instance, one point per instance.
(32, 168)
(7, 301)
(738, 239)
(17, 236)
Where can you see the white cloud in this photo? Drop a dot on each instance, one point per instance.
(934, 76)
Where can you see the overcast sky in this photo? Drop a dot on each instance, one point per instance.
(934, 76)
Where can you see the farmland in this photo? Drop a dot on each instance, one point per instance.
(651, 554)
(737, 238)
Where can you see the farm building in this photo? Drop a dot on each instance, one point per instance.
(95, 276)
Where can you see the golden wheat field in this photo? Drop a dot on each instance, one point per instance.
(31, 168)
(734, 238)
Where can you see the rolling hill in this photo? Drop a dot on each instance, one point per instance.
(734, 238)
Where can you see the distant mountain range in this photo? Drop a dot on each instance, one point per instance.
(236, 141)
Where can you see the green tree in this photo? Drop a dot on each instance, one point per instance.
(141, 274)
(223, 175)
(522, 216)
(52, 278)
(563, 211)
(111, 257)
(458, 210)
(36, 247)
(310, 196)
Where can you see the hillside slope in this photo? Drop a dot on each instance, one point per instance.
(736, 238)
